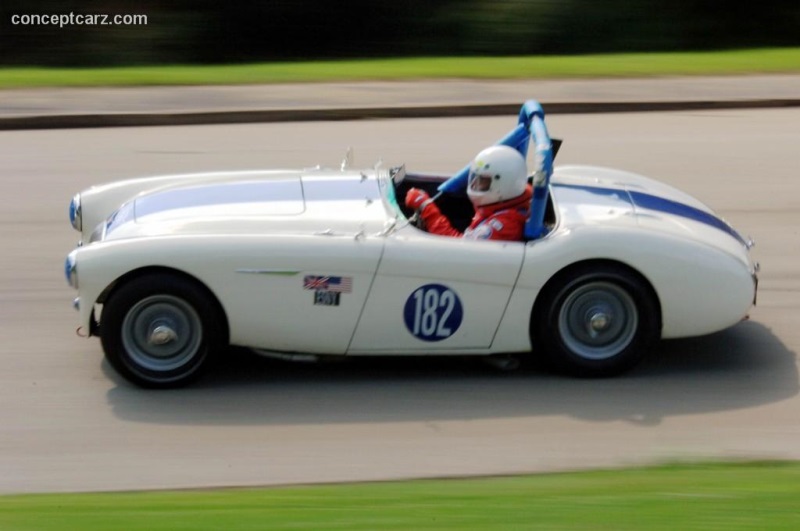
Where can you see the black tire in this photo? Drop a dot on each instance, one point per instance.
(595, 320)
(160, 330)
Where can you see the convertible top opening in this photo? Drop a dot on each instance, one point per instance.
(457, 207)
(450, 195)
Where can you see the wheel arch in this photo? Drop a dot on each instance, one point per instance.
(591, 265)
(168, 271)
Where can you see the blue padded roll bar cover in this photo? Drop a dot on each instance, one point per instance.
(541, 177)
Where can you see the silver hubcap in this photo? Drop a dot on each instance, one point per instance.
(598, 320)
(162, 333)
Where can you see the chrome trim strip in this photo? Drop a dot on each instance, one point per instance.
(276, 272)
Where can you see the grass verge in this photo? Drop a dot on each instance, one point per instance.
(617, 65)
(762, 495)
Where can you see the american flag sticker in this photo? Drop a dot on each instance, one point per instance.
(328, 283)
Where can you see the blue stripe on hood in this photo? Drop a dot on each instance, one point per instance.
(645, 201)
(219, 194)
(232, 193)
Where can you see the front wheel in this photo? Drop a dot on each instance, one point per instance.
(595, 320)
(159, 331)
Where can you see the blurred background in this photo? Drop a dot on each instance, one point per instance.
(207, 32)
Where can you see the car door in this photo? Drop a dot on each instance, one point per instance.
(437, 294)
(299, 294)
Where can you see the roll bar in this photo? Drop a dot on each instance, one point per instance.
(529, 125)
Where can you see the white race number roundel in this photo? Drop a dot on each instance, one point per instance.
(433, 312)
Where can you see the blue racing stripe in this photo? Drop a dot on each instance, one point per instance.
(667, 206)
(659, 204)
(219, 194)
(263, 191)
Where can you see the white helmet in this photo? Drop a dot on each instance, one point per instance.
(498, 173)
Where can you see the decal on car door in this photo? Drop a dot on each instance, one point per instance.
(327, 289)
(433, 312)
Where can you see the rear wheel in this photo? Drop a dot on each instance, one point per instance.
(160, 331)
(595, 320)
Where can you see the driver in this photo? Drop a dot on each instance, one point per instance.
(499, 192)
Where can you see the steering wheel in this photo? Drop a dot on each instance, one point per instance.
(417, 221)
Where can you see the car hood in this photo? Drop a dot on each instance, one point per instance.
(340, 202)
(590, 195)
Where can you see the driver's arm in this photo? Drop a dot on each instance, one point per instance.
(435, 221)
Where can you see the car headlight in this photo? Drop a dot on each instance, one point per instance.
(71, 269)
(75, 216)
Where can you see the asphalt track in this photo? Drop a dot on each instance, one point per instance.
(68, 423)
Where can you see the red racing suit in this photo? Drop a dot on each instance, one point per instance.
(499, 221)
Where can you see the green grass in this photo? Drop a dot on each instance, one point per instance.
(699, 496)
(617, 65)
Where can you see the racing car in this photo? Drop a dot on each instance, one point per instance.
(303, 264)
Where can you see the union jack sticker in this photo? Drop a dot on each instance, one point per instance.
(328, 283)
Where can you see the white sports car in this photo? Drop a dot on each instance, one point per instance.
(319, 262)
